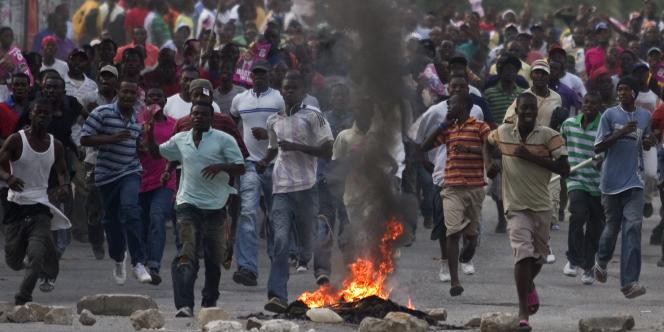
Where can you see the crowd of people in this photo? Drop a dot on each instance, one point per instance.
(232, 120)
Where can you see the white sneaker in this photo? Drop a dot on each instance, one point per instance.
(120, 272)
(468, 268)
(142, 274)
(570, 270)
(443, 275)
(588, 278)
(301, 269)
(550, 258)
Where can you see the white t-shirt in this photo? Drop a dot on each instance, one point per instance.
(575, 83)
(177, 108)
(60, 66)
(254, 110)
(426, 125)
(647, 100)
(295, 170)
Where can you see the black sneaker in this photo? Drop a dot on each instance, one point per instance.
(655, 238)
(660, 263)
(99, 252)
(184, 312)
(633, 291)
(46, 285)
(600, 273)
(276, 305)
(322, 279)
(205, 303)
(245, 277)
(647, 210)
(154, 274)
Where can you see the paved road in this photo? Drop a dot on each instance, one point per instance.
(565, 300)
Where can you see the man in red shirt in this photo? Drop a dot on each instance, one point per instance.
(596, 56)
(135, 17)
(139, 39)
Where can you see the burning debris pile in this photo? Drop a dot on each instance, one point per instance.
(366, 278)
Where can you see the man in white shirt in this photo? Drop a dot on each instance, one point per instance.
(298, 136)
(253, 107)
(49, 48)
(77, 84)
(179, 105)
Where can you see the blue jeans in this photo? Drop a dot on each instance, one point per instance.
(252, 185)
(623, 210)
(201, 231)
(156, 206)
(425, 183)
(294, 209)
(331, 208)
(122, 218)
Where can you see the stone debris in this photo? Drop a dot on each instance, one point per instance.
(39, 310)
(223, 326)
(407, 322)
(279, 325)
(499, 322)
(254, 323)
(607, 324)
(115, 304)
(210, 314)
(147, 319)
(87, 318)
(21, 314)
(372, 324)
(438, 314)
(59, 316)
(474, 322)
(324, 315)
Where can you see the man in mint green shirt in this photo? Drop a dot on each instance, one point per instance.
(208, 158)
(585, 204)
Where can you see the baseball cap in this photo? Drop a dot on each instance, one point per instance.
(48, 39)
(541, 65)
(261, 65)
(601, 26)
(201, 83)
(109, 69)
(654, 49)
(78, 51)
(511, 26)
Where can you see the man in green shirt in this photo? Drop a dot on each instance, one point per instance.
(583, 187)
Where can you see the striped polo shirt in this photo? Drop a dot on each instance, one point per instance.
(499, 100)
(254, 109)
(580, 146)
(464, 169)
(118, 159)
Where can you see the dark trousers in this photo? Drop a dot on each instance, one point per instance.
(331, 209)
(94, 208)
(585, 211)
(198, 228)
(32, 237)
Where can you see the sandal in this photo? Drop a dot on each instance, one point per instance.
(533, 301)
(524, 326)
(456, 290)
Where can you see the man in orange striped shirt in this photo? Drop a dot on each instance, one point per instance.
(463, 187)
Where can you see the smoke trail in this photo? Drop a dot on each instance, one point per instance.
(376, 68)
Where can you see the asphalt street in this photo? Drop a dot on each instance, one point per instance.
(564, 300)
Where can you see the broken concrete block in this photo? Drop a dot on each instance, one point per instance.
(324, 315)
(59, 316)
(210, 314)
(499, 322)
(620, 323)
(223, 326)
(147, 319)
(87, 318)
(115, 304)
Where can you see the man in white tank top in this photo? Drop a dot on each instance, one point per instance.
(30, 217)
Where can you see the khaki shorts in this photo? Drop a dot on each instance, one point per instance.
(462, 208)
(529, 234)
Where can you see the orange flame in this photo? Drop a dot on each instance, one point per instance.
(365, 279)
(410, 304)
